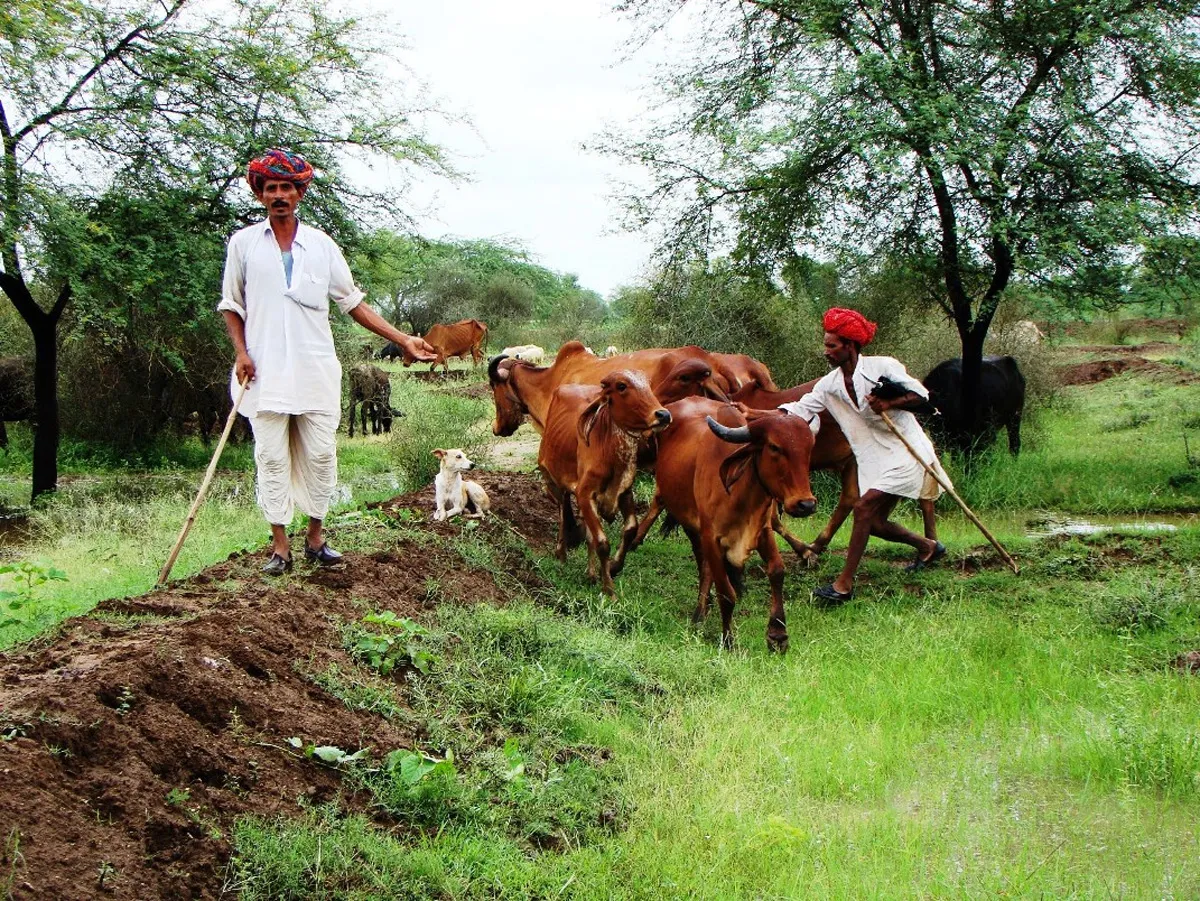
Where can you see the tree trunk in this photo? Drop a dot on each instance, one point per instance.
(44, 328)
(45, 401)
(972, 376)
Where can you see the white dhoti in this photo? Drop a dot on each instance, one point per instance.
(296, 459)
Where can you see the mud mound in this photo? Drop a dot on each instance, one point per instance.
(426, 375)
(1099, 370)
(134, 740)
(477, 391)
(520, 499)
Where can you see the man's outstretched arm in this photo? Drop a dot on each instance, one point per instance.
(372, 321)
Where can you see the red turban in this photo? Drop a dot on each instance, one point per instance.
(279, 165)
(849, 325)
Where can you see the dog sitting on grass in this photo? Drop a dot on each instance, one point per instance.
(450, 487)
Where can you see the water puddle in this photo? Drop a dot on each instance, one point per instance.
(1051, 526)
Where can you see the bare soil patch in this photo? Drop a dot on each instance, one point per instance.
(137, 736)
(1099, 370)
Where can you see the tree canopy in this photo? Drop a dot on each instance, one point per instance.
(981, 140)
(104, 95)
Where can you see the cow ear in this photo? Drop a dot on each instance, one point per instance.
(587, 419)
(733, 466)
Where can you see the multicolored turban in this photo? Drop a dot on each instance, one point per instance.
(850, 325)
(279, 165)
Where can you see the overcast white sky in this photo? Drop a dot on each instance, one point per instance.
(537, 78)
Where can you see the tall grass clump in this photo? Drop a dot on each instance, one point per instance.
(434, 419)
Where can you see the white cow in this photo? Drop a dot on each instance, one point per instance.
(1018, 334)
(530, 353)
(610, 351)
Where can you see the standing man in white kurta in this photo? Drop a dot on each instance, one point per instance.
(279, 278)
(886, 469)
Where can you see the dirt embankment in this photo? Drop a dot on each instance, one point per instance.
(134, 739)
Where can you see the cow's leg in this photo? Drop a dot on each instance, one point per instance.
(777, 637)
(705, 573)
(845, 505)
(596, 538)
(726, 595)
(566, 520)
(364, 412)
(647, 523)
(350, 418)
(629, 530)
(803, 551)
(3, 437)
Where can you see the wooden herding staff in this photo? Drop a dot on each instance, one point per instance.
(954, 494)
(208, 476)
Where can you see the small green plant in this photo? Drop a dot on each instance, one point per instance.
(13, 857)
(396, 643)
(105, 871)
(26, 576)
(178, 797)
(330, 754)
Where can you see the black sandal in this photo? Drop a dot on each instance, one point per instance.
(917, 565)
(324, 555)
(277, 565)
(830, 596)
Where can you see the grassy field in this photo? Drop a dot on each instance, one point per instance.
(965, 732)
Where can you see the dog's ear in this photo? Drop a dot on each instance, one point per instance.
(439, 453)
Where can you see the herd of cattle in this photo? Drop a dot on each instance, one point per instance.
(725, 459)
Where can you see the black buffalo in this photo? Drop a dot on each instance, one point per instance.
(390, 351)
(1001, 402)
(16, 393)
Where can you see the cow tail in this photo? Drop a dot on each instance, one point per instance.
(669, 525)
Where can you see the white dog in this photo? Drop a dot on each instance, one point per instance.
(451, 486)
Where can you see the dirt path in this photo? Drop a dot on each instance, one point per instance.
(137, 736)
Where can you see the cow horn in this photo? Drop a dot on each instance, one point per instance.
(494, 376)
(740, 435)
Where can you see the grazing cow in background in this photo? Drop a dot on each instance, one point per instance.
(721, 477)
(467, 336)
(390, 351)
(16, 393)
(529, 353)
(370, 386)
(610, 352)
(1001, 403)
(589, 451)
(1019, 335)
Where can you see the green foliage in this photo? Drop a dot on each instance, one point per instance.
(983, 147)
(397, 642)
(418, 281)
(26, 577)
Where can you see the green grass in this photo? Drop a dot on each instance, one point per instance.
(958, 733)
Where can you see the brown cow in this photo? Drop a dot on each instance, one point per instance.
(589, 450)
(741, 371)
(519, 389)
(467, 336)
(723, 485)
(832, 452)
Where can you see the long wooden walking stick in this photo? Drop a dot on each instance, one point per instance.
(208, 476)
(949, 489)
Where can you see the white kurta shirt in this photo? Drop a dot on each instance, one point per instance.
(884, 463)
(287, 327)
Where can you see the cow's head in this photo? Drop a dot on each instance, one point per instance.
(691, 378)
(626, 398)
(510, 409)
(779, 447)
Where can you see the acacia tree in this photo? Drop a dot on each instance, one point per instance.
(97, 93)
(980, 139)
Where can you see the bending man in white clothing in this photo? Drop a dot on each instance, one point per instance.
(886, 469)
(279, 278)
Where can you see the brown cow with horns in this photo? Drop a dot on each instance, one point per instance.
(722, 483)
(589, 450)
